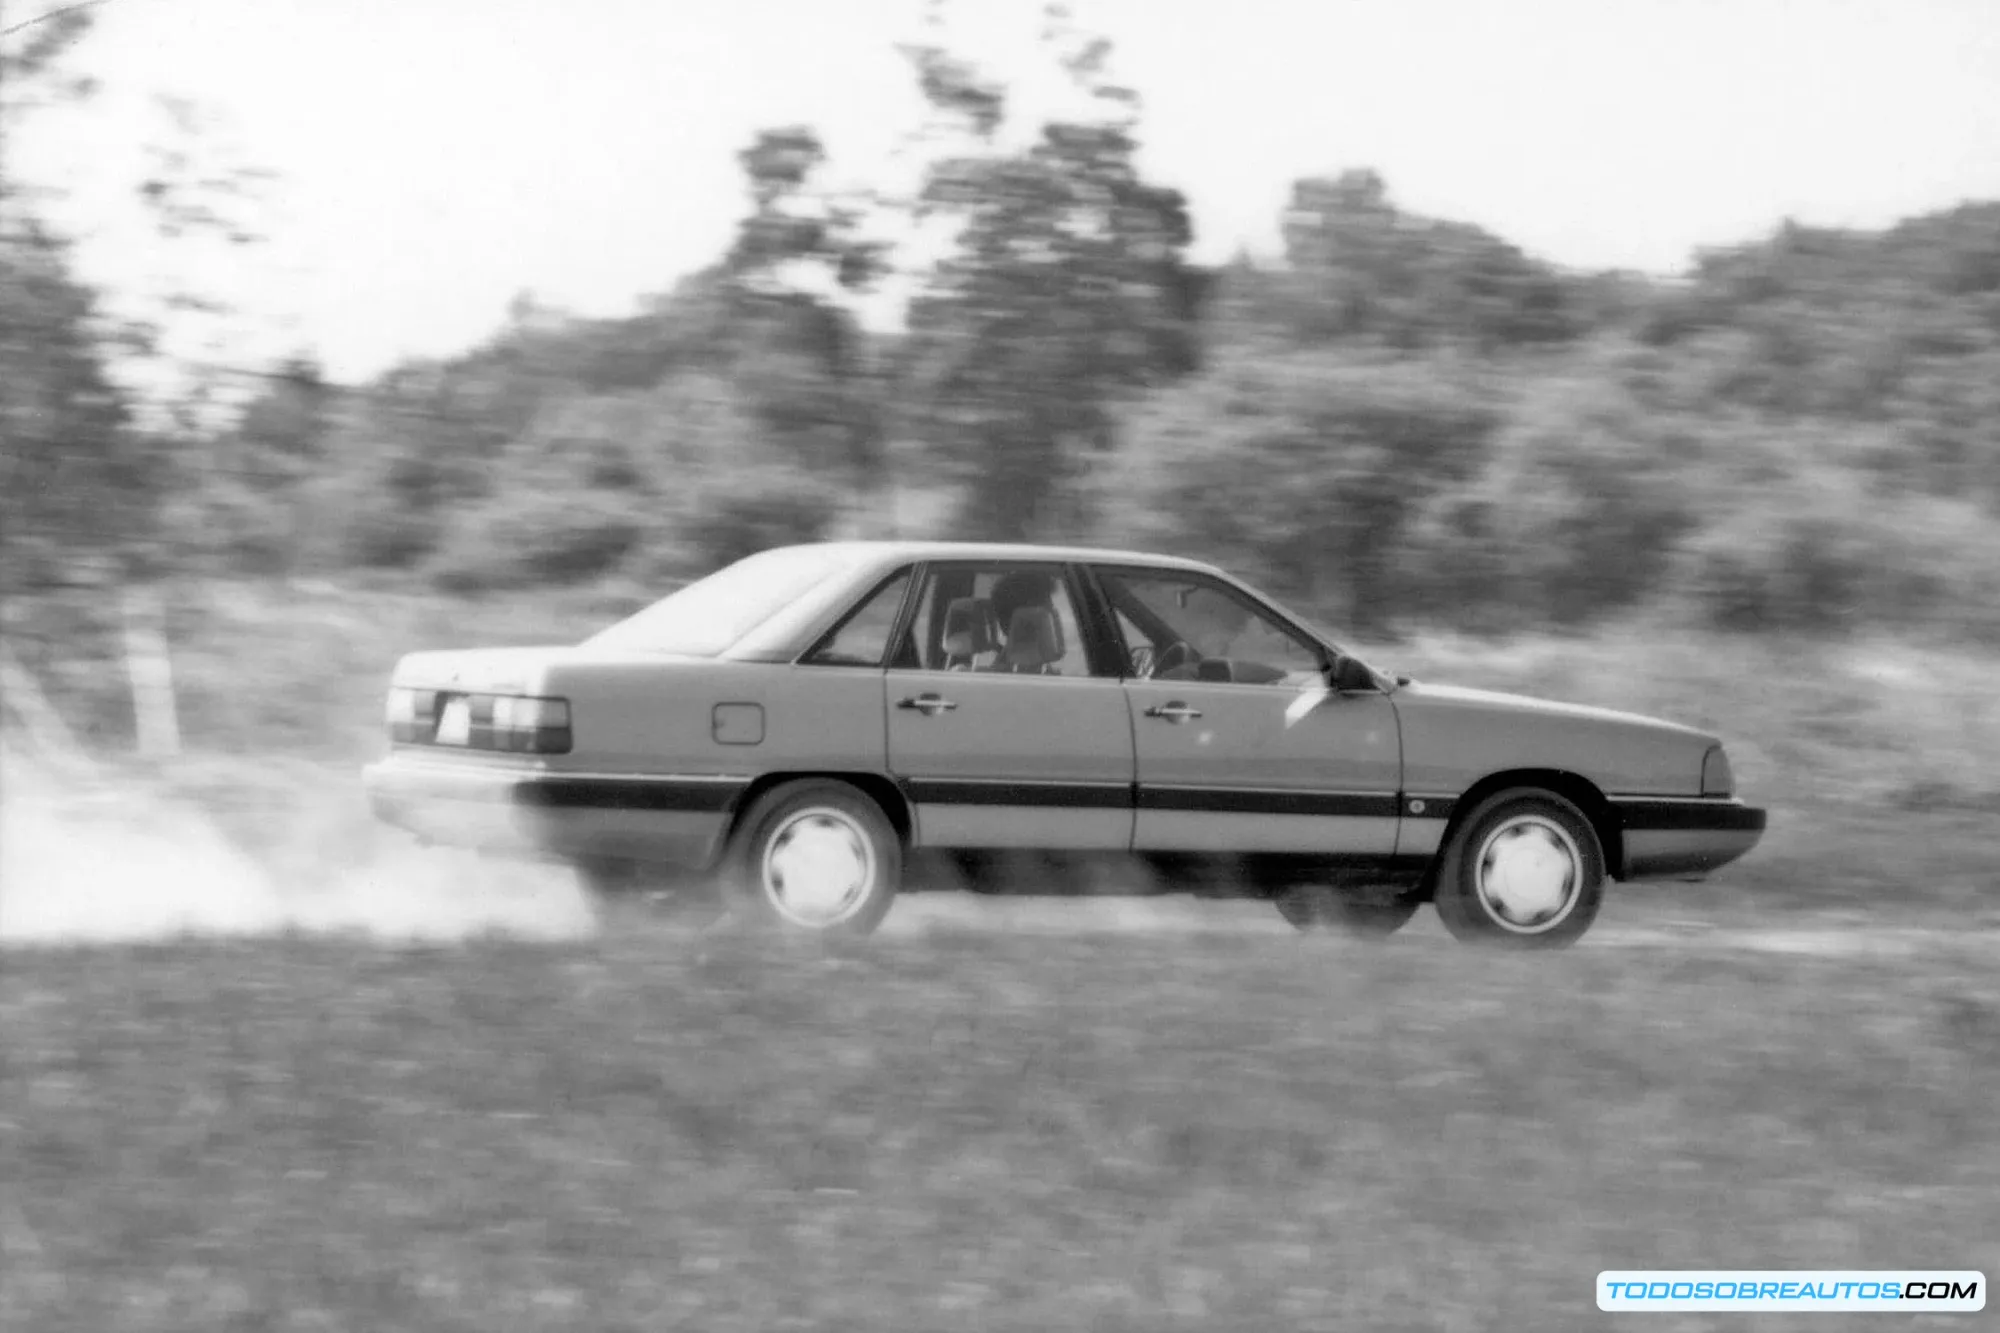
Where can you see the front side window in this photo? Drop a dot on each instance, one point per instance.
(863, 637)
(1185, 627)
(1016, 619)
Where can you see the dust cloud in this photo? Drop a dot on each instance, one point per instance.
(104, 859)
(109, 860)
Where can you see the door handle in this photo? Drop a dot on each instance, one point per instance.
(930, 705)
(1175, 711)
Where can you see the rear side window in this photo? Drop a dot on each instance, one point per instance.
(863, 637)
(1006, 618)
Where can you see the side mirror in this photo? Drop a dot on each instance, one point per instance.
(1350, 675)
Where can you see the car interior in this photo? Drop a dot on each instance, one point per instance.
(1021, 620)
(1017, 621)
(1186, 629)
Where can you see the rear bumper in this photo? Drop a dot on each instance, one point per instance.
(534, 811)
(1684, 838)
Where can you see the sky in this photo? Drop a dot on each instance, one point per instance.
(435, 158)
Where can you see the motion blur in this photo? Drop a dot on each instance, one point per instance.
(1761, 494)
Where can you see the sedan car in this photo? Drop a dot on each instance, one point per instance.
(796, 726)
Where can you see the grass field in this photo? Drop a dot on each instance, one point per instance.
(419, 1092)
(963, 1129)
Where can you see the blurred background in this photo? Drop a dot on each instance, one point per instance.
(1641, 354)
(1717, 433)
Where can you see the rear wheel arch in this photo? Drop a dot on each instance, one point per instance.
(1578, 790)
(813, 852)
(877, 787)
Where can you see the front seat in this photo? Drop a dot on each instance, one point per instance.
(1034, 643)
(968, 632)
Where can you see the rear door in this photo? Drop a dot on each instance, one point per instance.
(1002, 728)
(1237, 747)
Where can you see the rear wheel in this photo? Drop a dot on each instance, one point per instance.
(1318, 907)
(1525, 870)
(815, 855)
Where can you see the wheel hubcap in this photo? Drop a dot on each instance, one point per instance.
(1530, 872)
(817, 867)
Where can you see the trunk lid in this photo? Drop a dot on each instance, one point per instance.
(519, 671)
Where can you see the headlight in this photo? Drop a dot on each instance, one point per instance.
(1716, 779)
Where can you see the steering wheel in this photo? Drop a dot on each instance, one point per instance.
(1179, 653)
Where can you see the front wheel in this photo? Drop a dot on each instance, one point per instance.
(815, 855)
(1525, 870)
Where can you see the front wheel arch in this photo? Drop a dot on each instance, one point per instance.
(1578, 790)
(1475, 909)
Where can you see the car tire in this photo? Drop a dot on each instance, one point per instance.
(816, 856)
(1313, 907)
(1525, 870)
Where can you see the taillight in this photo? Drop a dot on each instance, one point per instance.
(1716, 778)
(531, 726)
(504, 722)
(410, 716)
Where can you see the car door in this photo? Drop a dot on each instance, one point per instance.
(998, 741)
(1238, 747)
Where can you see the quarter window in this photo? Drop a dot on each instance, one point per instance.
(863, 637)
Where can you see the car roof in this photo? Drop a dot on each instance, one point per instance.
(893, 552)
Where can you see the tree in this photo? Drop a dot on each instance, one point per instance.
(796, 350)
(1067, 288)
(1304, 469)
(1573, 514)
(244, 493)
(1362, 269)
(76, 483)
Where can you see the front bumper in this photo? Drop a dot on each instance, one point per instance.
(531, 810)
(1686, 838)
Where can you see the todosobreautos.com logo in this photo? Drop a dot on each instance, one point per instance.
(1890, 1291)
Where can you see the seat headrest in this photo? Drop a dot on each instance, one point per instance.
(968, 627)
(1034, 639)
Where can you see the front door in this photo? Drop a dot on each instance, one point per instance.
(1000, 730)
(1238, 746)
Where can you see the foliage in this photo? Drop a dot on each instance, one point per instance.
(76, 482)
(1308, 468)
(1361, 269)
(797, 356)
(1405, 419)
(1572, 514)
(1066, 289)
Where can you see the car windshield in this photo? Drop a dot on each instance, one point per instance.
(709, 615)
